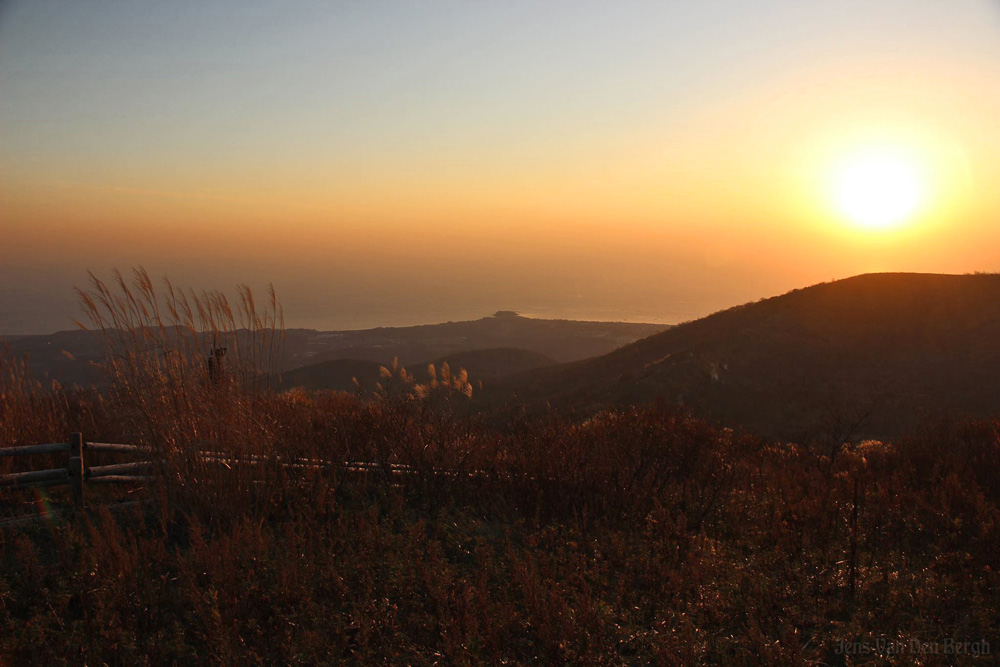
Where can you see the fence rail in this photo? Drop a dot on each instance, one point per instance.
(35, 449)
(77, 474)
(57, 447)
(35, 477)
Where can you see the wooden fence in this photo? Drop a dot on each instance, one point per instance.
(77, 474)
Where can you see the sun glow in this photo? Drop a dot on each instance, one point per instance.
(879, 188)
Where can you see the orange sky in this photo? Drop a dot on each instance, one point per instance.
(388, 165)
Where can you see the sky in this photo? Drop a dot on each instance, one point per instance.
(394, 163)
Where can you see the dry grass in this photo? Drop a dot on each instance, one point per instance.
(638, 537)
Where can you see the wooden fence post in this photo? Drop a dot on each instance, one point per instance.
(76, 467)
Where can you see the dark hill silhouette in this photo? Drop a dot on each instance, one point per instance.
(496, 363)
(562, 340)
(339, 374)
(892, 350)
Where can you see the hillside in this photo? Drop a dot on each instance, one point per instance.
(498, 362)
(339, 374)
(336, 374)
(561, 340)
(892, 351)
(320, 528)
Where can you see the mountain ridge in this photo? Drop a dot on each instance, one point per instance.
(66, 356)
(885, 349)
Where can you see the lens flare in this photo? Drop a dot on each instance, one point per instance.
(42, 504)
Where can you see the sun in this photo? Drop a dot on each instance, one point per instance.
(879, 189)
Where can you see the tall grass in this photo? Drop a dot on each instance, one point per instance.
(188, 372)
(641, 536)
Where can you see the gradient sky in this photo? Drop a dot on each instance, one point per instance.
(388, 163)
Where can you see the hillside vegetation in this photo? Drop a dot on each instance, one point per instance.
(876, 355)
(341, 374)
